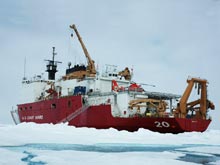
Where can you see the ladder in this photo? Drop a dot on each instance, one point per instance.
(15, 116)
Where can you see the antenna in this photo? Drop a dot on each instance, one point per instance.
(24, 78)
(148, 85)
(54, 53)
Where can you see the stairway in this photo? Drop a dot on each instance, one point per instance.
(74, 114)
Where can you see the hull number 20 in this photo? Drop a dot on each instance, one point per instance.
(162, 124)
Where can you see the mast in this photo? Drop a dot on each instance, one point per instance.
(52, 66)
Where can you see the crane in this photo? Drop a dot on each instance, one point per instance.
(184, 106)
(90, 71)
(125, 73)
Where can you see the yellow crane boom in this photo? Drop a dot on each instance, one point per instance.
(91, 71)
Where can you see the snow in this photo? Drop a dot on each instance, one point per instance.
(5, 154)
(30, 143)
(61, 133)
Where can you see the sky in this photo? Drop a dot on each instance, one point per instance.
(163, 41)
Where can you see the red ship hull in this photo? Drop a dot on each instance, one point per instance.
(100, 117)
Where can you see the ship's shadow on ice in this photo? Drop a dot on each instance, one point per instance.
(189, 156)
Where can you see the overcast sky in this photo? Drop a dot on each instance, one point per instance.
(164, 41)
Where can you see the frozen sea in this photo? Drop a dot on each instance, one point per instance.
(41, 144)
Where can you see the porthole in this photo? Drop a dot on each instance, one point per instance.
(53, 106)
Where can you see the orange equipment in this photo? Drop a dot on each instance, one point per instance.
(125, 73)
(158, 105)
(183, 107)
